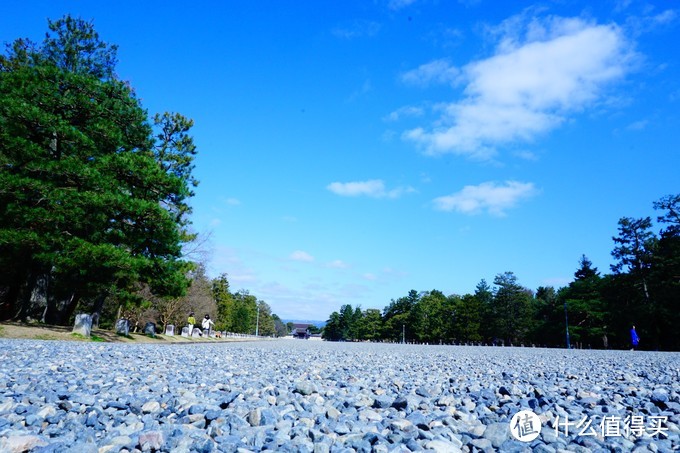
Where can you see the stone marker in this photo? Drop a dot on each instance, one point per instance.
(196, 333)
(206, 332)
(170, 330)
(83, 324)
(185, 331)
(123, 327)
(150, 329)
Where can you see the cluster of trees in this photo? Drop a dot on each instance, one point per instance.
(244, 313)
(238, 312)
(643, 289)
(94, 212)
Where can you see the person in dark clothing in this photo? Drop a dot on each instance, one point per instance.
(634, 339)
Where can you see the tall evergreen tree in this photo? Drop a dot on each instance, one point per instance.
(245, 312)
(332, 331)
(512, 304)
(548, 326)
(265, 324)
(634, 252)
(225, 303)
(400, 318)
(484, 295)
(665, 276)
(85, 204)
(588, 315)
(370, 325)
(467, 319)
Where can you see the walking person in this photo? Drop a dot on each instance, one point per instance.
(191, 322)
(207, 323)
(634, 339)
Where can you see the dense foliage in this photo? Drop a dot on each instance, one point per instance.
(94, 211)
(238, 312)
(92, 205)
(598, 311)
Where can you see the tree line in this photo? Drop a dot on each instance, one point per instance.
(238, 312)
(592, 311)
(94, 195)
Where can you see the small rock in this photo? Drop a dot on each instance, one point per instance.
(255, 416)
(21, 443)
(402, 425)
(151, 440)
(305, 388)
(442, 446)
(332, 413)
(497, 433)
(400, 403)
(370, 415)
(151, 407)
(482, 444)
(382, 402)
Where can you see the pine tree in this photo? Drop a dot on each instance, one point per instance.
(87, 209)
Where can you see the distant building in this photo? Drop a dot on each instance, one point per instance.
(301, 331)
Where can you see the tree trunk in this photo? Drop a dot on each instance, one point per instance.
(10, 302)
(59, 311)
(97, 310)
(120, 309)
(25, 297)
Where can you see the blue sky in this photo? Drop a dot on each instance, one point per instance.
(351, 151)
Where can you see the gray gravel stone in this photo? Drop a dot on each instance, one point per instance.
(292, 396)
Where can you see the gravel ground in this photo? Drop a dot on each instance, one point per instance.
(311, 396)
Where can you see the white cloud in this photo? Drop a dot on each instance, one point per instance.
(647, 21)
(407, 111)
(299, 255)
(490, 197)
(526, 155)
(437, 71)
(374, 188)
(638, 125)
(337, 264)
(538, 77)
(233, 201)
(665, 17)
(366, 87)
(622, 5)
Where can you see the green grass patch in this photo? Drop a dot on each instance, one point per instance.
(2, 331)
(45, 336)
(80, 337)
